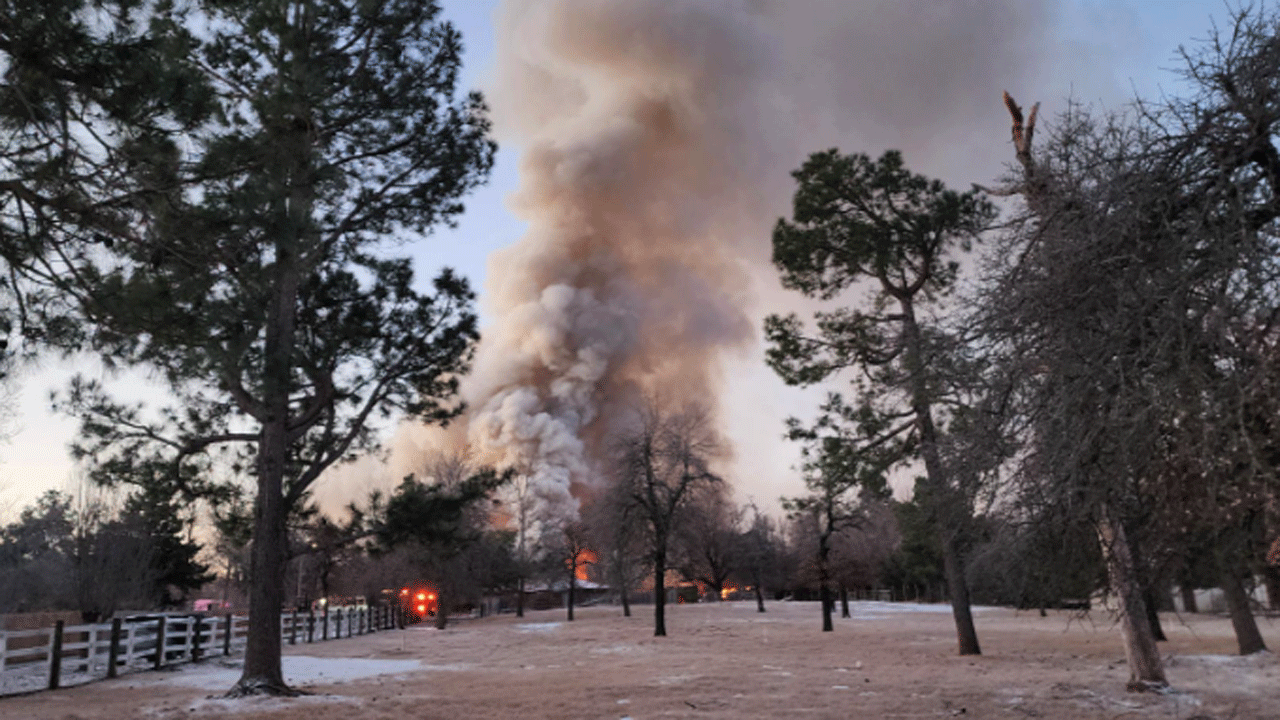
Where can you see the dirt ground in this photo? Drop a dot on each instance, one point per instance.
(720, 661)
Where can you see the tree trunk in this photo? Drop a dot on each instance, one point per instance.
(1188, 598)
(1271, 576)
(844, 602)
(520, 598)
(626, 603)
(958, 589)
(1153, 613)
(659, 594)
(1248, 638)
(442, 615)
(824, 595)
(759, 598)
(946, 506)
(824, 580)
(269, 561)
(262, 668)
(1146, 669)
(572, 586)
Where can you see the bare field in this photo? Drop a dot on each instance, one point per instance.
(720, 661)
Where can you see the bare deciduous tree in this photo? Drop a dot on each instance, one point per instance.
(1132, 298)
(660, 459)
(762, 550)
(615, 525)
(708, 547)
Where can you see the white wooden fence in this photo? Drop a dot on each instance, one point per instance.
(48, 658)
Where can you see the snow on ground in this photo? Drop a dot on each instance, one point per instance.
(874, 609)
(537, 627)
(33, 677)
(299, 670)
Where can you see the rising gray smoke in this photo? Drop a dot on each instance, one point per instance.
(657, 137)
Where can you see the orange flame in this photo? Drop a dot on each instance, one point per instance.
(585, 559)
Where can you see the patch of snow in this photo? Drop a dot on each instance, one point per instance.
(1257, 659)
(257, 705)
(453, 667)
(537, 627)
(870, 609)
(614, 650)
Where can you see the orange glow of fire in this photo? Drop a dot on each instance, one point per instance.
(584, 559)
(727, 590)
(422, 608)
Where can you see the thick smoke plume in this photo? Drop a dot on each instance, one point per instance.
(657, 137)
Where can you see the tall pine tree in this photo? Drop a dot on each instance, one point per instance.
(227, 230)
(858, 220)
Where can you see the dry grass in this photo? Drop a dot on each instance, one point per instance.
(727, 661)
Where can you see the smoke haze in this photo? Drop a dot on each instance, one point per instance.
(657, 137)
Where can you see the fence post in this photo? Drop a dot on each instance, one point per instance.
(195, 638)
(55, 655)
(113, 652)
(160, 642)
(311, 625)
(91, 648)
(293, 627)
(227, 634)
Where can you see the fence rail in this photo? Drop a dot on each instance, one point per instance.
(49, 658)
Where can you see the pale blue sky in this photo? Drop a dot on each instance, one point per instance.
(1133, 41)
